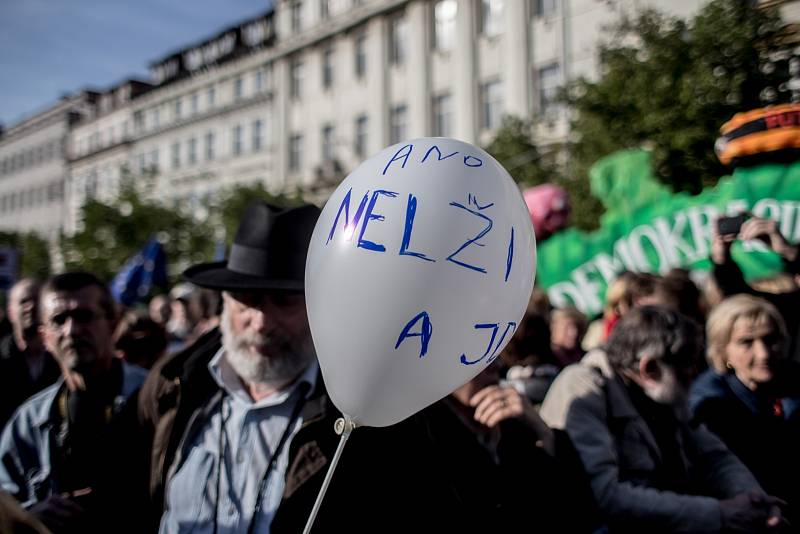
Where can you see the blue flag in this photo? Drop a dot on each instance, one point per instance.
(146, 269)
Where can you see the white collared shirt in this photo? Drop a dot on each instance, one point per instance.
(251, 432)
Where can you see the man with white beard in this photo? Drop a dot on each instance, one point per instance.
(626, 411)
(224, 412)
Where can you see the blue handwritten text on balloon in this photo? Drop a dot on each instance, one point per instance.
(491, 353)
(472, 200)
(424, 334)
(510, 257)
(363, 243)
(366, 212)
(404, 153)
(411, 209)
(345, 206)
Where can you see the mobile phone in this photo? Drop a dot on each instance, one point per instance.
(730, 225)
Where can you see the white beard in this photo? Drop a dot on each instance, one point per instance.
(669, 390)
(254, 368)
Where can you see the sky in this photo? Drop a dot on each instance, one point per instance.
(53, 47)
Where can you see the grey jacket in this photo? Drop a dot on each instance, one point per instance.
(25, 455)
(618, 451)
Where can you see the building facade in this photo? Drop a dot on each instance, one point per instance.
(34, 168)
(299, 96)
(99, 149)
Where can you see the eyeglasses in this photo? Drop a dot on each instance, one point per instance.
(81, 316)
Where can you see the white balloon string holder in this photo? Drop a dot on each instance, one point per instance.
(344, 427)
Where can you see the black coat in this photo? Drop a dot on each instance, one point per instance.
(425, 474)
(767, 444)
(16, 384)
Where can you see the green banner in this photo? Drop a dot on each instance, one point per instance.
(648, 228)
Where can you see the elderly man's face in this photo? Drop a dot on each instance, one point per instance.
(23, 304)
(76, 328)
(266, 335)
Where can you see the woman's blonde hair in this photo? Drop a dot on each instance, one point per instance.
(722, 318)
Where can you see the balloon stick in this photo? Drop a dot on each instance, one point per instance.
(343, 426)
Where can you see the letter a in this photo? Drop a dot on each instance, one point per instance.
(398, 156)
(425, 332)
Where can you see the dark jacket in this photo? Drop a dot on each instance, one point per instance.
(415, 476)
(40, 458)
(767, 444)
(15, 380)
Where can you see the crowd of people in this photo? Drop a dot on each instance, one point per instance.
(676, 411)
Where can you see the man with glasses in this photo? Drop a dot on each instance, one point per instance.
(66, 454)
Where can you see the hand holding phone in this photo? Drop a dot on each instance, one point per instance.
(730, 225)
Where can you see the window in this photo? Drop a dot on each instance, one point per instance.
(192, 150)
(141, 163)
(491, 104)
(155, 118)
(549, 80)
(194, 103)
(238, 88)
(442, 115)
(491, 18)
(444, 25)
(91, 185)
(295, 78)
(178, 105)
(360, 54)
(295, 152)
(154, 159)
(324, 9)
(327, 68)
(260, 81)
(211, 97)
(360, 145)
(328, 143)
(397, 124)
(296, 9)
(545, 8)
(397, 40)
(176, 155)
(138, 120)
(236, 140)
(209, 146)
(258, 135)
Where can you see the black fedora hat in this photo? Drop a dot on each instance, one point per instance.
(268, 252)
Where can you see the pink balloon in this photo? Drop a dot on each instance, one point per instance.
(549, 208)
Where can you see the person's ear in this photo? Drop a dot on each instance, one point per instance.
(649, 368)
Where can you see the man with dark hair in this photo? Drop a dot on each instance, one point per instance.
(65, 453)
(626, 412)
(25, 366)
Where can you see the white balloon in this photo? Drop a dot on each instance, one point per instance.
(419, 270)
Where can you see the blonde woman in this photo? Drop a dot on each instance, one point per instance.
(751, 394)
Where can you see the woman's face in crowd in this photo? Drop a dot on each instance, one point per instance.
(754, 350)
(564, 332)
